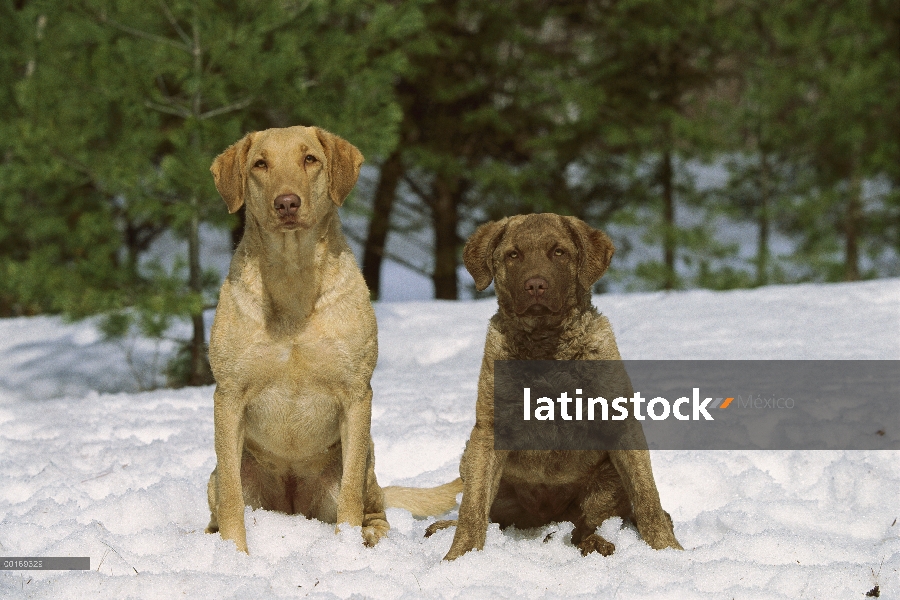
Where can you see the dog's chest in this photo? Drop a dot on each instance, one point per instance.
(297, 394)
(292, 424)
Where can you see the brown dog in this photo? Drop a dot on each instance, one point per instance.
(293, 346)
(543, 267)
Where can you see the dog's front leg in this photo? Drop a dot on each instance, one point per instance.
(653, 523)
(355, 426)
(229, 441)
(480, 467)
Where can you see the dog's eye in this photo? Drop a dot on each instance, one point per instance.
(559, 252)
(513, 254)
(310, 159)
(260, 164)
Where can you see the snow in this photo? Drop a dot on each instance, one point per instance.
(90, 467)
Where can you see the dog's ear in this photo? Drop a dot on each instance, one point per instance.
(228, 172)
(595, 249)
(479, 250)
(344, 161)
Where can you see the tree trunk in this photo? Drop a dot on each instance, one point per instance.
(762, 242)
(852, 226)
(200, 374)
(379, 225)
(445, 217)
(669, 219)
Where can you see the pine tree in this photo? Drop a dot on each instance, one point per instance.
(125, 107)
(822, 87)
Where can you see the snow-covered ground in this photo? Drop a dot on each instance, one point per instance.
(89, 467)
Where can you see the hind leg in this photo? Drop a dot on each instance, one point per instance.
(315, 493)
(264, 489)
(318, 489)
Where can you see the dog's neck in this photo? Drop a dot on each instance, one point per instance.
(293, 269)
(546, 337)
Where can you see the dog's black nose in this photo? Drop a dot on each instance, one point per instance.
(287, 204)
(536, 286)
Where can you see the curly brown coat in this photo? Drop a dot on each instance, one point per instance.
(543, 267)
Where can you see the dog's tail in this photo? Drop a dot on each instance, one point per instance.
(424, 502)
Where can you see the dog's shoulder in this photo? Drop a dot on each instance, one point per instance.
(598, 342)
(343, 294)
(243, 286)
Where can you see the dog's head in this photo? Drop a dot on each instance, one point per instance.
(289, 178)
(541, 265)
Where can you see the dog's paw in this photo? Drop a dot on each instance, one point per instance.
(663, 542)
(213, 526)
(373, 531)
(464, 542)
(595, 543)
(438, 525)
(658, 533)
(456, 552)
